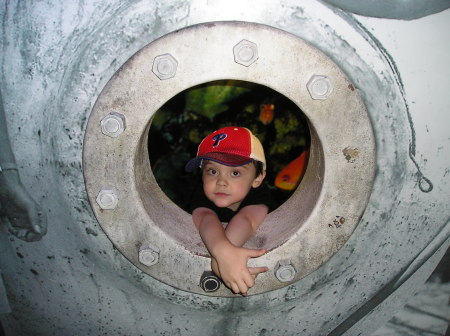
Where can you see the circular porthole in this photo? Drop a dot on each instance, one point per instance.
(178, 127)
(158, 236)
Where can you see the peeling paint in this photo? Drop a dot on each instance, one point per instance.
(350, 154)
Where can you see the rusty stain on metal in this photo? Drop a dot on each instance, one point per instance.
(350, 154)
(337, 222)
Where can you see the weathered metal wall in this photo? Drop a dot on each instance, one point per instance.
(57, 57)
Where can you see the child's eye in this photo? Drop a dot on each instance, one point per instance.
(235, 173)
(212, 171)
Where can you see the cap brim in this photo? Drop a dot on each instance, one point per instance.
(193, 164)
(222, 158)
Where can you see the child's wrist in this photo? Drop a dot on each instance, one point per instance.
(219, 249)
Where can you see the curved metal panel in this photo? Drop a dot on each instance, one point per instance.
(304, 229)
(56, 59)
(392, 9)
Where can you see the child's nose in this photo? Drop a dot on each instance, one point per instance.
(221, 180)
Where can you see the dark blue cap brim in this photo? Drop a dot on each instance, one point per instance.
(193, 164)
(238, 161)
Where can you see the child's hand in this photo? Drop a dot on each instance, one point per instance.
(230, 264)
(254, 271)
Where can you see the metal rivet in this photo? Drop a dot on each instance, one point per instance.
(107, 198)
(113, 124)
(245, 52)
(209, 282)
(319, 87)
(148, 255)
(285, 271)
(165, 66)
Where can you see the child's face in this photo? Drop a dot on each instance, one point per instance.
(227, 186)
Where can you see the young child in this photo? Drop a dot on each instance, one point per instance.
(233, 167)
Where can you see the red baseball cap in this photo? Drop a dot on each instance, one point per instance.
(231, 146)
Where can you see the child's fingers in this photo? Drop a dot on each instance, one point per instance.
(249, 282)
(235, 288)
(244, 283)
(254, 271)
(256, 253)
(238, 288)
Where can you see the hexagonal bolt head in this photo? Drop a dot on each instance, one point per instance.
(285, 271)
(209, 282)
(245, 53)
(319, 87)
(113, 124)
(165, 66)
(148, 255)
(107, 198)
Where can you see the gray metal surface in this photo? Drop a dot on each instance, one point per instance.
(56, 59)
(304, 228)
(392, 9)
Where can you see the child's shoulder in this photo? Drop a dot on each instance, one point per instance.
(260, 195)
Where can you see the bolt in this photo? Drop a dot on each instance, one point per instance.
(285, 271)
(148, 255)
(319, 87)
(107, 198)
(164, 66)
(245, 52)
(209, 282)
(113, 124)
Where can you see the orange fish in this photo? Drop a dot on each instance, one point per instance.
(266, 113)
(291, 175)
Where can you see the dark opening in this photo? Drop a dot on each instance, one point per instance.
(179, 126)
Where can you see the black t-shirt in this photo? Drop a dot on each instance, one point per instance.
(255, 196)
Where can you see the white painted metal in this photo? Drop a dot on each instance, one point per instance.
(337, 183)
(56, 58)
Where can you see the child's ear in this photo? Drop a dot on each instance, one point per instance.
(258, 180)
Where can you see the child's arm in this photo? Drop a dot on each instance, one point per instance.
(243, 226)
(245, 223)
(229, 260)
